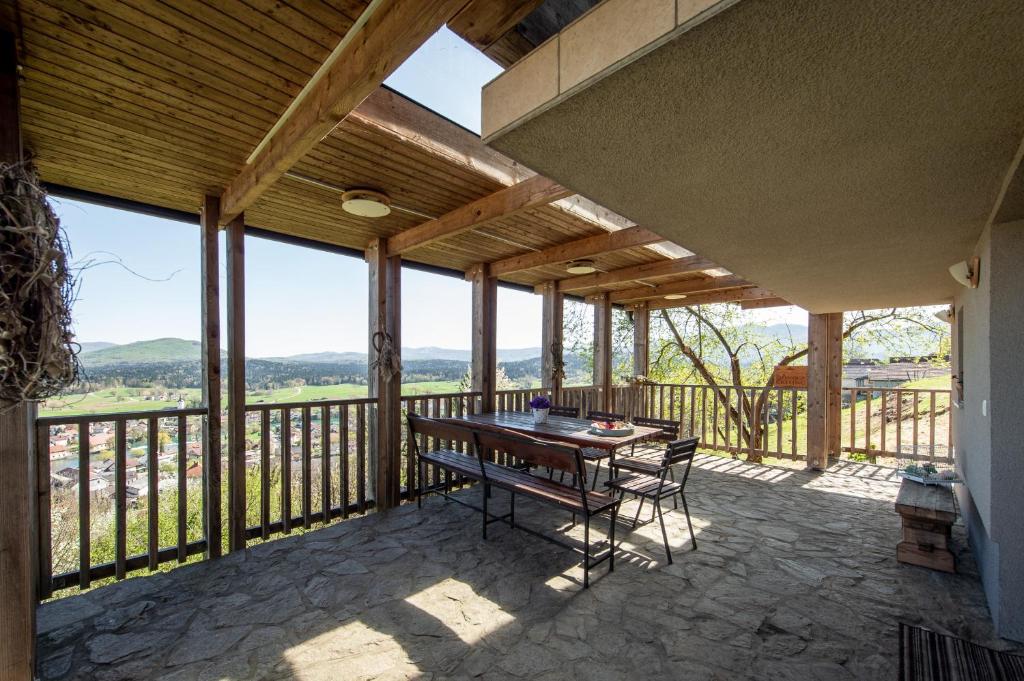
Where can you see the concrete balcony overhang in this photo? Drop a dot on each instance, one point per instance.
(841, 154)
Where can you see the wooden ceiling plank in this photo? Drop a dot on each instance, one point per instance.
(661, 268)
(536, 191)
(395, 30)
(573, 250)
(686, 287)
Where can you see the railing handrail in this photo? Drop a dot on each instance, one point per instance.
(435, 396)
(263, 406)
(776, 387)
(106, 417)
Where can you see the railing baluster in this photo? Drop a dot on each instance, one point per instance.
(916, 420)
(153, 504)
(794, 403)
(779, 411)
(264, 473)
(84, 476)
(361, 457)
(853, 420)
(714, 417)
(286, 470)
(325, 462)
(884, 414)
(867, 425)
(344, 453)
(931, 425)
(44, 514)
(182, 489)
(899, 423)
(120, 498)
(307, 468)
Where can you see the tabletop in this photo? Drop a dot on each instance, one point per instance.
(560, 428)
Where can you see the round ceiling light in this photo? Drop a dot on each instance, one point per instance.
(675, 296)
(366, 203)
(581, 267)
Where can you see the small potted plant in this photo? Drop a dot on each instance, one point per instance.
(540, 406)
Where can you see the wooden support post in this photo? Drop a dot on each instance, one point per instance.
(641, 354)
(824, 384)
(210, 274)
(603, 348)
(17, 592)
(236, 382)
(385, 381)
(485, 335)
(551, 341)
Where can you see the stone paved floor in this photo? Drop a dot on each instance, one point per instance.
(794, 578)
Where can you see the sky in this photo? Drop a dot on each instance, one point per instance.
(139, 276)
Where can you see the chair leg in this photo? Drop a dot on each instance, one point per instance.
(512, 512)
(586, 552)
(597, 470)
(611, 539)
(689, 525)
(664, 532)
(638, 509)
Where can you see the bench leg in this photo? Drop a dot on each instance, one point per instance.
(586, 552)
(419, 487)
(486, 493)
(639, 508)
(686, 510)
(664, 533)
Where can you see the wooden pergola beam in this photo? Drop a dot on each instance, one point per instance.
(531, 193)
(687, 287)
(661, 268)
(370, 52)
(482, 23)
(630, 237)
(766, 302)
(728, 296)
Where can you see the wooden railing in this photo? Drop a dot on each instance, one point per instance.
(899, 423)
(316, 451)
(76, 518)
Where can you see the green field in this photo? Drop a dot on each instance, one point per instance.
(140, 399)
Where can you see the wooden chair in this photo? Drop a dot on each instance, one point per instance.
(570, 412)
(669, 433)
(592, 453)
(647, 480)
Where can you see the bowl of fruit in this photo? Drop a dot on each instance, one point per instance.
(611, 428)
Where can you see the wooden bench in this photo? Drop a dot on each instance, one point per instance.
(928, 513)
(577, 499)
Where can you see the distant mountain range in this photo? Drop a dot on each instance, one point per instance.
(160, 350)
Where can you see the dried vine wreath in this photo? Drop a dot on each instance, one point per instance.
(38, 358)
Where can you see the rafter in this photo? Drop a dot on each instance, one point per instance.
(727, 296)
(661, 268)
(531, 193)
(687, 287)
(765, 302)
(482, 23)
(573, 250)
(383, 37)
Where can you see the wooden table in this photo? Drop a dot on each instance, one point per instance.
(560, 429)
(928, 514)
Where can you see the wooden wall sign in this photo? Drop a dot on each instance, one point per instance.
(790, 377)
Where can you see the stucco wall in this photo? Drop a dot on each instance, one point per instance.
(989, 427)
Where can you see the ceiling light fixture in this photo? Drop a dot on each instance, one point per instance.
(675, 296)
(967, 272)
(366, 203)
(581, 267)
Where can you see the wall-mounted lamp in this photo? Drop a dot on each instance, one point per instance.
(967, 272)
(946, 315)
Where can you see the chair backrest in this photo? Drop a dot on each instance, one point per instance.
(605, 416)
(438, 429)
(534, 452)
(571, 412)
(669, 429)
(679, 451)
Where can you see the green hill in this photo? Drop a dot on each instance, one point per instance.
(145, 352)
